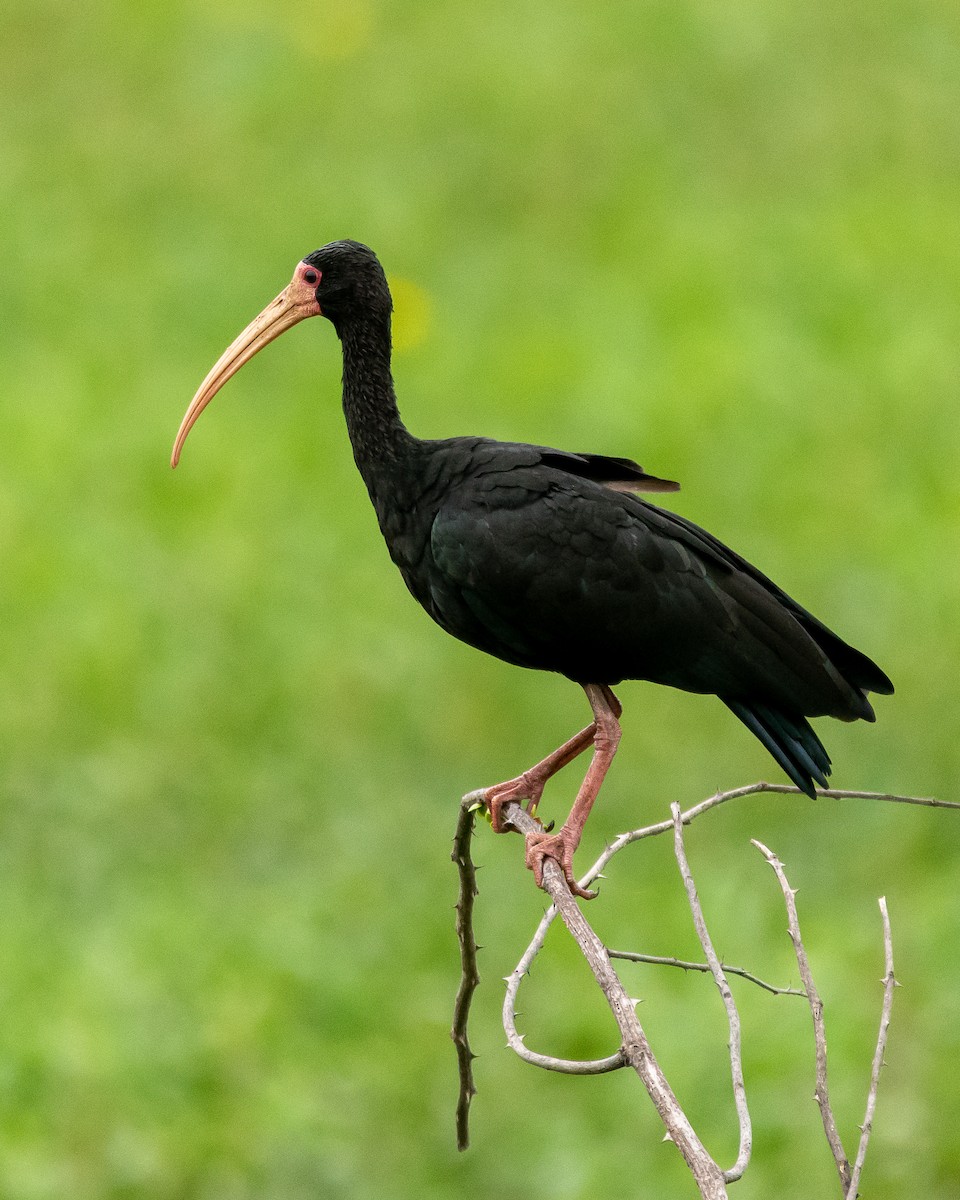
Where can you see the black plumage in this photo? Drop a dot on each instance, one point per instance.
(551, 560)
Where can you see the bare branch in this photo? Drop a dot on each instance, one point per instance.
(750, 789)
(635, 1047)
(469, 974)
(821, 1093)
(889, 983)
(662, 960)
(515, 1040)
(841, 794)
(733, 1017)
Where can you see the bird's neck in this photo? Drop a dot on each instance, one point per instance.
(379, 438)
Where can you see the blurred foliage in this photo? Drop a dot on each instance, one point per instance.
(719, 237)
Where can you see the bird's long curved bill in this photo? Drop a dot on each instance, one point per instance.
(296, 301)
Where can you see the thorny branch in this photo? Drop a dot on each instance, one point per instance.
(635, 1050)
(889, 983)
(469, 975)
(664, 960)
(822, 1091)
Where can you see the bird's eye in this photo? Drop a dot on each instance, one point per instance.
(312, 277)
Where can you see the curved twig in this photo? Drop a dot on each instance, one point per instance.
(733, 1017)
(515, 1040)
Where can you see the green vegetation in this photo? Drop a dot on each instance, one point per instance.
(719, 238)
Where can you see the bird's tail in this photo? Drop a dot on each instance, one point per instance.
(790, 739)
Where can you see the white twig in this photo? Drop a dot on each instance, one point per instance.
(515, 1040)
(733, 1017)
(889, 983)
(750, 789)
(821, 1093)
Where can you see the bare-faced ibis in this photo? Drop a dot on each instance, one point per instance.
(550, 560)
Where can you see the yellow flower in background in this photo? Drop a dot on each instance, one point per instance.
(412, 313)
(336, 29)
(332, 30)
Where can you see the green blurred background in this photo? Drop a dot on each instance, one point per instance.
(722, 238)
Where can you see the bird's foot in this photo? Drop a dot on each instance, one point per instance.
(560, 847)
(528, 786)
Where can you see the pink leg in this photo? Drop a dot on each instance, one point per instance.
(560, 846)
(529, 786)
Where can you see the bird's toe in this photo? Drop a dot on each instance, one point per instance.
(524, 787)
(559, 847)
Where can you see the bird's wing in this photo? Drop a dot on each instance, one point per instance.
(554, 571)
(480, 456)
(620, 474)
(862, 672)
(550, 571)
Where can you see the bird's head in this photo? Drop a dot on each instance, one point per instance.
(351, 282)
(343, 281)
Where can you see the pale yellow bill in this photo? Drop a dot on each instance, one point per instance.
(297, 301)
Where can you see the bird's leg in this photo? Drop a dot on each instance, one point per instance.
(560, 846)
(529, 786)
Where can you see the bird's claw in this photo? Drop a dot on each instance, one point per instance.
(524, 787)
(541, 844)
(560, 847)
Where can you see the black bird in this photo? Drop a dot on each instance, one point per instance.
(549, 559)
